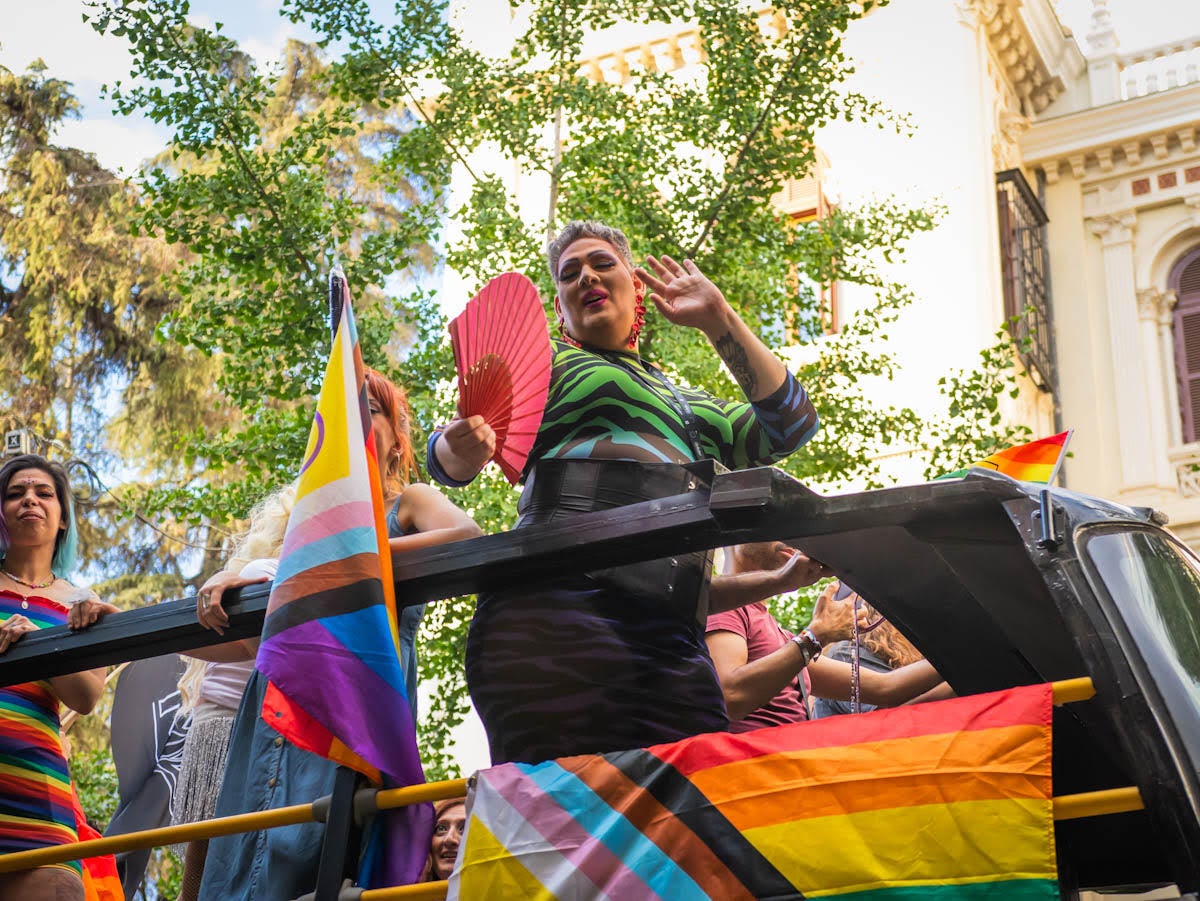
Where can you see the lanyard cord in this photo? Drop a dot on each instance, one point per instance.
(678, 402)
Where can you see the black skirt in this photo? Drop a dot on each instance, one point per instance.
(603, 661)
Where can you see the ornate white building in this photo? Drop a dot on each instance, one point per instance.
(1118, 156)
(1071, 179)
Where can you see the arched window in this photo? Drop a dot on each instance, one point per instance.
(1185, 281)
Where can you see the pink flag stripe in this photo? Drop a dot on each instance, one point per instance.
(557, 827)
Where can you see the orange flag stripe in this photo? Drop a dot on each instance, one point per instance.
(867, 795)
(856, 777)
(1030, 453)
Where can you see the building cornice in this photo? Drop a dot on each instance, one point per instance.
(1117, 135)
(1038, 56)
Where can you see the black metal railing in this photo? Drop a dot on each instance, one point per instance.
(1025, 267)
(719, 509)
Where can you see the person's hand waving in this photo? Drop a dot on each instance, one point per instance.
(685, 295)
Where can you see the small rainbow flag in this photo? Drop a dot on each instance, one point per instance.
(1037, 461)
(330, 647)
(945, 801)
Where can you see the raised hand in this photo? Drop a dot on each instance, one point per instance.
(799, 571)
(686, 296)
(833, 620)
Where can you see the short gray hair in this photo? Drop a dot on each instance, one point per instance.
(577, 229)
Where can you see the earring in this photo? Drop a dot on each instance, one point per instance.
(639, 319)
(562, 330)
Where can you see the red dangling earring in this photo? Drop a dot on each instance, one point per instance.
(639, 319)
(562, 330)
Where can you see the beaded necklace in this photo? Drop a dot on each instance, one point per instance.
(53, 578)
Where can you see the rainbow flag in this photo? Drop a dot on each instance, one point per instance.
(330, 647)
(945, 801)
(1037, 461)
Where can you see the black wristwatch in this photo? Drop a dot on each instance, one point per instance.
(809, 645)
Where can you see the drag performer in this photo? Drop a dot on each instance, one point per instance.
(616, 659)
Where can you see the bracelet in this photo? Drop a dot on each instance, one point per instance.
(434, 466)
(813, 640)
(816, 642)
(809, 645)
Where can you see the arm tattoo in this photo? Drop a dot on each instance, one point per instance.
(738, 362)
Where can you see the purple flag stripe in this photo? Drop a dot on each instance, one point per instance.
(386, 741)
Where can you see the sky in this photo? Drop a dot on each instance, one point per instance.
(53, 30)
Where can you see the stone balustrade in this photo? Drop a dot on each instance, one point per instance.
(1185, 460)
(1159, 68)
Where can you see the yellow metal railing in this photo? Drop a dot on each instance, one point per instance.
(1066, 807)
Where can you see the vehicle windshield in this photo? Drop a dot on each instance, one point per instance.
(1157, 585)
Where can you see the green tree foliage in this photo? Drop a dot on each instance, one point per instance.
(268, 180)
(80, 302)
(96, 779)
(975, 425)
(271, 174)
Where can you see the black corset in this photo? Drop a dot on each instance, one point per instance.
(558, 489)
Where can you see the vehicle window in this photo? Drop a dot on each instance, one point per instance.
(1162, 581)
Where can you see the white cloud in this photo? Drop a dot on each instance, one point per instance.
(119, 144)
(55, 31)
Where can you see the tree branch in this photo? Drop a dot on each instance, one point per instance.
(243, 163)
(741, 156)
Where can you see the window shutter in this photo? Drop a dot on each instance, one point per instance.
(1189, 279)
(1187, 344)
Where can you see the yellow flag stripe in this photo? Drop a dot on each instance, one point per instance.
(968, 841)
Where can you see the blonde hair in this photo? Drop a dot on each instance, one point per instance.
(263, 539)
(189, 683)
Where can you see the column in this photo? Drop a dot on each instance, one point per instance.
(1148, 303)
(1166, 340)
(978, 236)
(1130, 420)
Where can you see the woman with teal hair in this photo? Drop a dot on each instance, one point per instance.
(37, 543)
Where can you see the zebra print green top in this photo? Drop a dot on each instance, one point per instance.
(615, 406)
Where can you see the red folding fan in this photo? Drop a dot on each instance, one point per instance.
(502, 353)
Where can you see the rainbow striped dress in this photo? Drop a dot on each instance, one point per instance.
(36, 808)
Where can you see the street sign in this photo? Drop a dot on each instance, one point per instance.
(17, 441)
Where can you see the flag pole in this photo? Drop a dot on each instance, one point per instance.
(1062, 455)
(343, 836)
(337, 295)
